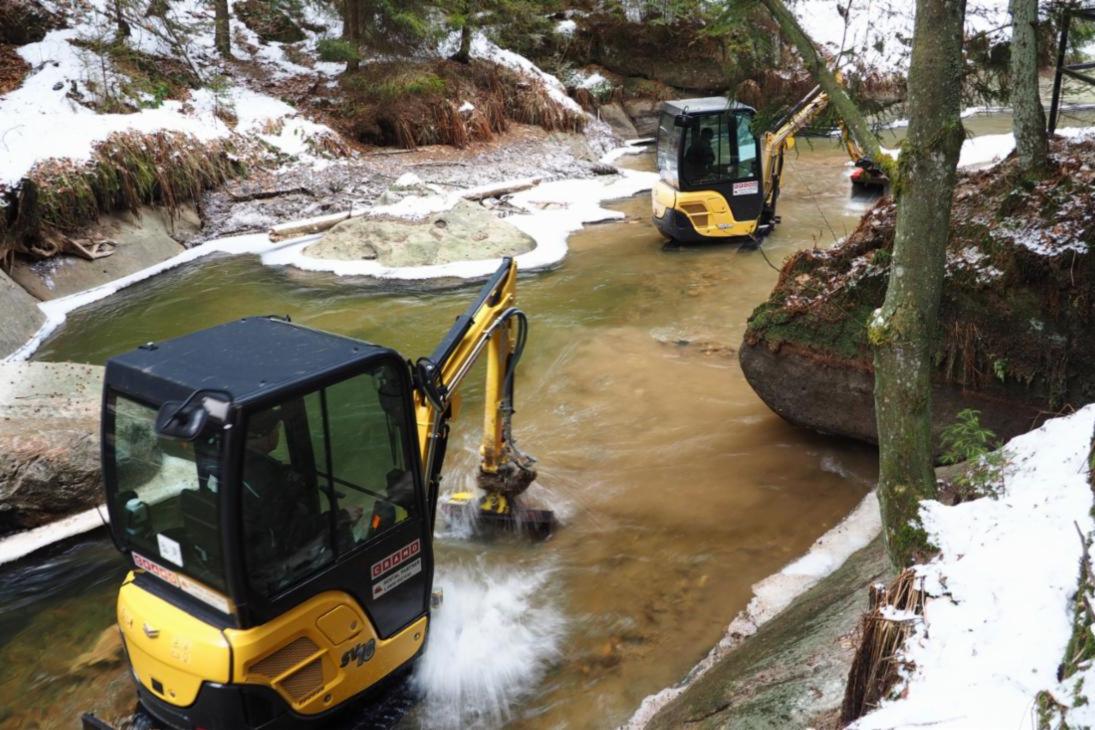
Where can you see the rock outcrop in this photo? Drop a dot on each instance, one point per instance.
(1018, 306)
(49, 442)
(138, 240)
(21, 318)
(792, 672)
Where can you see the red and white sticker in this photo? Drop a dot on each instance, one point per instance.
(402, 575)
(746, 188)
(198, 590)
(164, 574)
(399, 557)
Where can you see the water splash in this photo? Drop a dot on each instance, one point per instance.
(490, 643)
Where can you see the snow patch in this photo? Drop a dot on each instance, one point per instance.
(997, 619)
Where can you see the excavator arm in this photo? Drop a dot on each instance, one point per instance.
(782, 138)
(493, 327)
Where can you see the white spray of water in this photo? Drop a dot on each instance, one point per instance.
(490, 643)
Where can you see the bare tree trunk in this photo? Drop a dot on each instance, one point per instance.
(1028, 117)
(463, 54)
(221, 30)
(838, 97)
(351, 29)
(903, 331)
(119, 20)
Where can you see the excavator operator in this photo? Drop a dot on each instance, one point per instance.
(700, 157)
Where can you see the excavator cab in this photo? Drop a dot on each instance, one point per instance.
(263, 479)
(711, 170)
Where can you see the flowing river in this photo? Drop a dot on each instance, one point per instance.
(676, 487)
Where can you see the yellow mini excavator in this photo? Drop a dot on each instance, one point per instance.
(719, 181)
(275, 489)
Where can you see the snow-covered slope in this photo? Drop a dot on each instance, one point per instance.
(877, 34)
(52, 116)
(997, 621)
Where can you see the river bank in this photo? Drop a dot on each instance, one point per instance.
(619, 317)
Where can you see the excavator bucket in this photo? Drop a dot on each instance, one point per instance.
(494, 514)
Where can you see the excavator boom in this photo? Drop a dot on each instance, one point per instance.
(494, 326)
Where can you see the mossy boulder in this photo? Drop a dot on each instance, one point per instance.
(682, 53)
(268, 21)
(1018, 306)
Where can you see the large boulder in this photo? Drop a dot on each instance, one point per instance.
(22, 318)
(1018, 305)
(269, 21)
(466, 232)
(140, 241)
(682, 53)
(49, 442)
(25, 21)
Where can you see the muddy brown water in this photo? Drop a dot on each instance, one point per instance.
(678, 489)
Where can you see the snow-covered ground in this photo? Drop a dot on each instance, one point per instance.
(877, 34)
(997, 620)
(52, 116)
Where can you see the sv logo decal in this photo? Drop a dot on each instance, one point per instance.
(360, 653)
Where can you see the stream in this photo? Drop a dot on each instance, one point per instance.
(677, 489)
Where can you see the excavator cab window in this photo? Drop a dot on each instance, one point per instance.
(718, 148)
(252, 465)
(323, 474)
(165, 499)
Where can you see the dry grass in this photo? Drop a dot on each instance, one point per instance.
(875, 669)
(13, 69)
(126, 171)
(415, 104)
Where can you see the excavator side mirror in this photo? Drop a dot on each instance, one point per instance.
(183, 421)
(682, 120)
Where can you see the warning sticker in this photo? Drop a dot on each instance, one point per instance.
(170, 549)
(746, 188)
(399, 557)
(402, 575)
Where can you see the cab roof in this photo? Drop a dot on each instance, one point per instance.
(705, 105)
(249, 359)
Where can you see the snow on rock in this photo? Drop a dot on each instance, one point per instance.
(482, 47)
(997, 619)
(550, 213)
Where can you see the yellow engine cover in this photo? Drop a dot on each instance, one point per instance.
(171, 652)
(321, 653)
(315, 656)
(706, 210)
